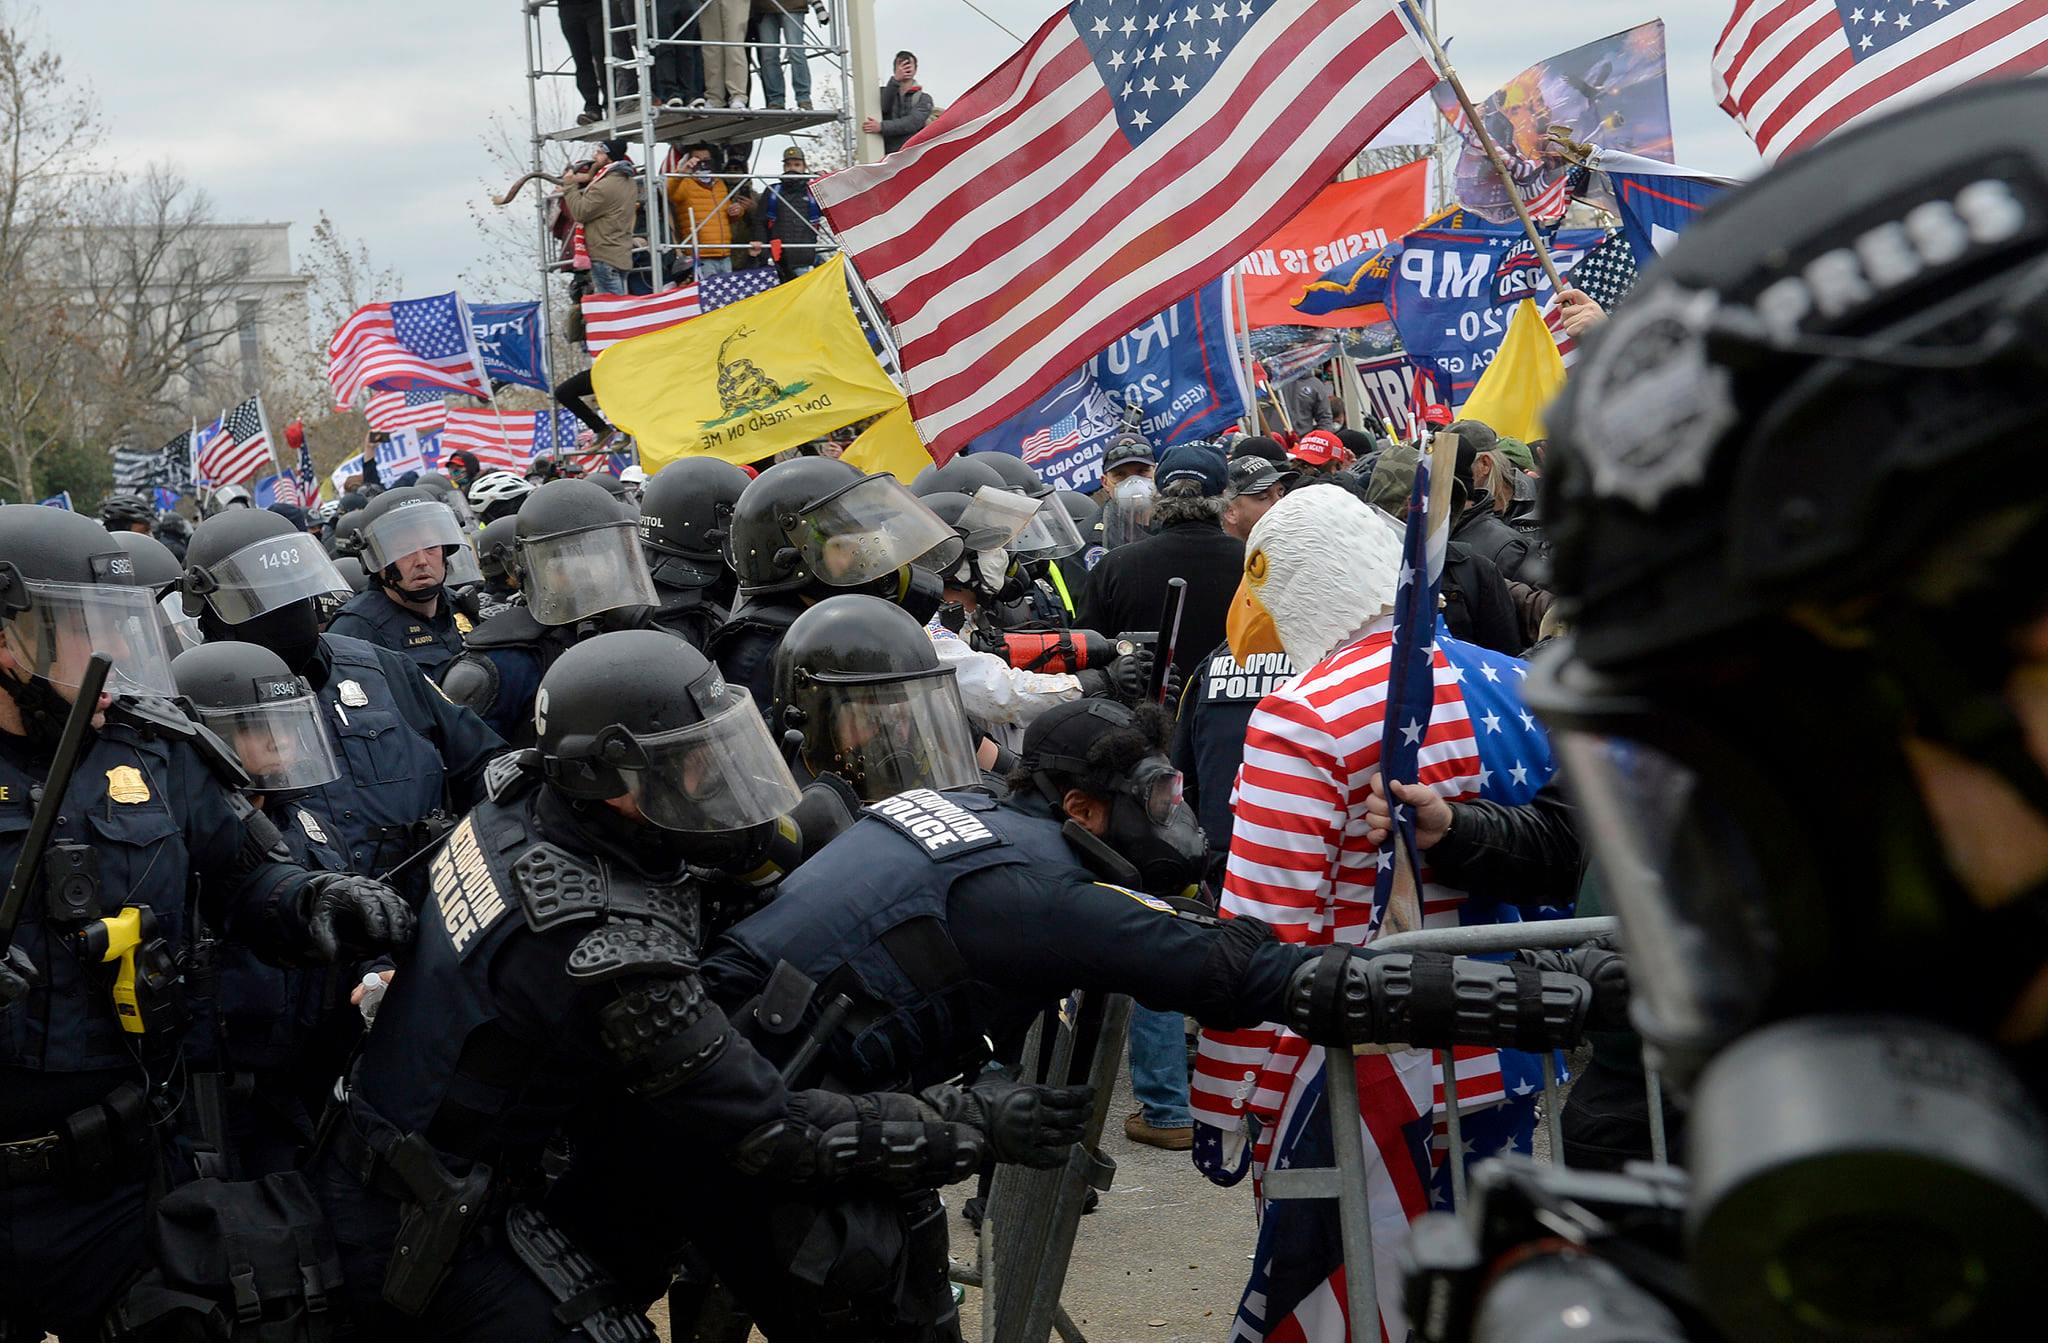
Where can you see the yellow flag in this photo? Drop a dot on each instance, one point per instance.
(744, 382)
(890, 444)
(1526, 373)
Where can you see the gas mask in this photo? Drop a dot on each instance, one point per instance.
(1151, 832)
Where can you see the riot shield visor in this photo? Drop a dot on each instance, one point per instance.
(422, 524)
(887, 737)
(181, 631)
(995, 518)
(280, 739)
(573, 576)
(1127, 512)
(1049, 535)
(269, 574)
(66, 623)
(463, 569)
(723, 773)
(871, 528)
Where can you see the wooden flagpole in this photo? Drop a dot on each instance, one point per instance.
(1472, 119)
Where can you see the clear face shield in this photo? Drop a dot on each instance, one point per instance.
(421, 525)
(887, 737)
(279, 739)
(722, 774)
(573, 576)
(181, 631)
(995, 518)
(1050, 535)
(463, 569)
(66, 623)
(272, 573)
(1127, 512)
(871, 528)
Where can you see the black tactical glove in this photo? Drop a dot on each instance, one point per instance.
(1025, 1124)
(1125, 678)
(882, 1138)
(1600, 964)
(369, 915)
(17, 976)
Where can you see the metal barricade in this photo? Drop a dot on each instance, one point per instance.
(1347, 1140)
(1033, 1216)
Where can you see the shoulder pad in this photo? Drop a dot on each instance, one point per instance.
(513, 627)
(621, 949)
(941, 826)
(472, 680)
(555, 887)
(508, 775)
(152, 717)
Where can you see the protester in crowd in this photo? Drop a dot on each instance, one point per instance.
(1320, 453)
(1251, 486)
(127, 513)
(786, 214)
(583, 25)
(1578, 313)
(602, 200)
(906, 107)
(741, 200)
(577, 395)
(1308, 403)
(1477, 605)
(722, 25)
(1476, 523)
(699, 200)
(779, 38)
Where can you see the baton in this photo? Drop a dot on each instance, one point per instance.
(1169, 637)
(70, 745)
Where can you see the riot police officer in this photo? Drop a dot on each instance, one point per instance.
(807, 529)
(1804, 713)
(280, 1035)
(414, 551)
(497, 556)
(685, 514)
(581, 569)
(91, 1006)
(554, 989)
(409, 757)
(157, 569)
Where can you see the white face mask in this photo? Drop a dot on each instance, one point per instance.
(992, 567)
(1134, 491)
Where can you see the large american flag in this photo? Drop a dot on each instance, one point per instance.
(1793, 71)
(414, 344)
(511, 441)
(240, 449)
(1100, 175)
(424, 410)
(611, 318)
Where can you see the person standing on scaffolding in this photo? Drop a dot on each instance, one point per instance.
(601, 199)
(698, 198)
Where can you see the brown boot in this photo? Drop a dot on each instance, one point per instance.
(1166, 1139)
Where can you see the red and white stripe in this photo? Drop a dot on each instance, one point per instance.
(365, 350)
(1783, 68)
(226, 461)
(611, 318)
(1032, 275)
(500, 442)
(388, 413)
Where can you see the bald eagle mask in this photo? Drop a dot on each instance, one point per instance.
(1318, 567)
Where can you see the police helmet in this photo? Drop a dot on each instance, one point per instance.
(410, 519)
(611, 485)
(579, 553)
(119, 512)
(497, 548)
(249, 562)
(685, 516)
(986, 525)
(263, 711)
(68, 590)
(346, 538)
(859, 678)
(232, 496)
(351, 570)
(157, 569)
(640, 713)
(818, 521)
(1016, 473)
(962, 475)
(1086, 513)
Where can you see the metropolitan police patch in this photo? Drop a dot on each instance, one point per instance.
(939, 827)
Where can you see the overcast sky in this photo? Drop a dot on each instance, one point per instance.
(376, 111)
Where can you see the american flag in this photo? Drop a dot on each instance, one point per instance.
(1794, 71)
(1128, 100)
(411, 345)
(510, 442)
(425, 410)
(611, 318)
(240, 449)
(282, 488)
(1049, 443)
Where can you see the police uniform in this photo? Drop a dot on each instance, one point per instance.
(500, 668)
(144, 815)
(691, 614)
(494, 598)
(1208, 741)
(405, 751)
(430, 641)
(744, 646)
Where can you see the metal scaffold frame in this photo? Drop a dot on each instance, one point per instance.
(633, 43)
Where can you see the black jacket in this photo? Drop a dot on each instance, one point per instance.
(1127, 588)
(903, 114)
(1479, 527)
(1530, 855)
(1477, 606)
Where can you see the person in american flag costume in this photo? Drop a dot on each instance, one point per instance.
(1322, 576)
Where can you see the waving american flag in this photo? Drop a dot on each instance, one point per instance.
(415, 344)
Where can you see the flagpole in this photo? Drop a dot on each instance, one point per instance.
(1500, 167)
(269, 443)
(1251, 377)
(882, 329)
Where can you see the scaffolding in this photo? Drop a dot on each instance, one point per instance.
(634, 43)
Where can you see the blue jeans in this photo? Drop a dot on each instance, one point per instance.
(781, 35)
(714, 265)
(606, 279)
(1159, 1067)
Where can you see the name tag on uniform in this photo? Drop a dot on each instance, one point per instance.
(419, 639)
(941, 828)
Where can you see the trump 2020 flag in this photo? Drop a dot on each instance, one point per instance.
(1130, 152)
(1657, 201)
(509, 339)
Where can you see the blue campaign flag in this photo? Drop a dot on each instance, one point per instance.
(166, 498)
(61, 499)
(508, 334)
(1452, 290)
(1657, 208)
(1181, 370)
(1360, 282)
